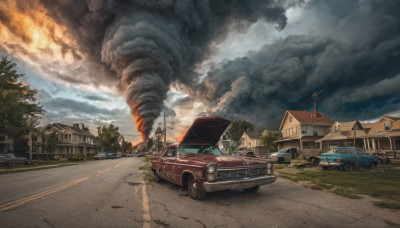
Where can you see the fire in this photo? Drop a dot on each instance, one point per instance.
(139, 121)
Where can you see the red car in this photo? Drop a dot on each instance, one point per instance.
(199, 166)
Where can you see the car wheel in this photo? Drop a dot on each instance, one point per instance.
(280, 161)
(253, 189)
(347, 167)
(372, 165)
(194, 191)
(157, 177)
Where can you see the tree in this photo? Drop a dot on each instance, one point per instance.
(237, 128)
(158, 136)
(126, 146)
(109, 137)
(268, 140)
(50, 142)
(19, 112)
(149, 144)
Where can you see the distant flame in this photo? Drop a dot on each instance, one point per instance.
(139, 122)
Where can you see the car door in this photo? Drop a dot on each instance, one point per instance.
(363, 159)
(169, 163)
(288, 155)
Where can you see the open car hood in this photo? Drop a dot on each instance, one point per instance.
(205, 131)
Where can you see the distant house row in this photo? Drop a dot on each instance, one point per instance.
(312, 130)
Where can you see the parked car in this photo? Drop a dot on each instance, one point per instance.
(100, 156)
(247, 153)
(284, 155)
(346, 158)
(111, 156)
(198, 165)
(141, 155)
(11, 159)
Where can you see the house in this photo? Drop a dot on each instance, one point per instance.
(301, 129)
(384, 135)
(251, 141)
(7, 146)
(350, 133)
(72, 140)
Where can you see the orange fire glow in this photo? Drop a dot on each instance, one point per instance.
(139, 122)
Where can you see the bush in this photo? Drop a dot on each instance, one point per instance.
(75, 157)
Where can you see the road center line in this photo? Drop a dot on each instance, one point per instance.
(7, 206)
(146, 208)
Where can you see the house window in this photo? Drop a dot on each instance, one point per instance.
(303, 129)
(315, 131)
(337, 128)
(249, 144)
(290, 119)
(387, 126)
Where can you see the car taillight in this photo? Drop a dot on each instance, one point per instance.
(337, 160)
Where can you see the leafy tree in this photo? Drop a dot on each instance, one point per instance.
(149, 144)
(237, 128)
(268, 140)
(126, 146)
(158, 138)
(19, 112)
(109, 137)
(50, 142)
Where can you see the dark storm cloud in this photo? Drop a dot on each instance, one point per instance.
(150, 44)
(95, 97)
(357, 71)
(69, 106)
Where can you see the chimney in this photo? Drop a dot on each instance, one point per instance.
(75, 125)
(83, 126)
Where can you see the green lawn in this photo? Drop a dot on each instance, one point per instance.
(382, 182)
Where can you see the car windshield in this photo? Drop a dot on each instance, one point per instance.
(342, 151)
(187, 150)
(282, 150)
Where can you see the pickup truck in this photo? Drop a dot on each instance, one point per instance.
(199, 166)
(284, 155)
(346, 158)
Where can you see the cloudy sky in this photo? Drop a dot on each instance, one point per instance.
(126, 62)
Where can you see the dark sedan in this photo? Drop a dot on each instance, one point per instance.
(11, 159)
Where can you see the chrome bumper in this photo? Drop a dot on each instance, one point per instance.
(331, 164)
(238, 184)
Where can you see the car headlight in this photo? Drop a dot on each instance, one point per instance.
(212, 172)
(270, 168)
(212, 168)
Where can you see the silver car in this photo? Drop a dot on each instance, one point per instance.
(11, 159)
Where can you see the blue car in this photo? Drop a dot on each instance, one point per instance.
(346, 158)
(111, 156)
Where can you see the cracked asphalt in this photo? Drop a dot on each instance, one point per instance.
(108, 193)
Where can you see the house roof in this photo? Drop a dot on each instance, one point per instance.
(253, 134)
(77, 130)
(396, 125)
(348, 126)
(307, 117)
(391, 118)
(366, 125)
(341, 136)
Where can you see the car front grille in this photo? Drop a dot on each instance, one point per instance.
(236, 174)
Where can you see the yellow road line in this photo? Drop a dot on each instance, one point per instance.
(16, 203)
(146, 208)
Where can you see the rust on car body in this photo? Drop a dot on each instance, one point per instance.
(198, 165)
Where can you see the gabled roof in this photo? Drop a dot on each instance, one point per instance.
(348, 126)
(367, 125)
(60, 127)
(253, 134)
(391, 118)
(306, 117)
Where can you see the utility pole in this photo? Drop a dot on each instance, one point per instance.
(315, 96)
(165, 132)
(30, 141)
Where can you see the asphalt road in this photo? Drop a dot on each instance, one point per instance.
(110, 193)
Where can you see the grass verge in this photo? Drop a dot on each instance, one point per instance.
(37, 165)
(146, 168)
(382, 182)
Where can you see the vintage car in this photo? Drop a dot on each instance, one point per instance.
(284, 155)
(346, 158)
(198, 165)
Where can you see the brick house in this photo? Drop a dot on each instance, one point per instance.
(300, 129)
